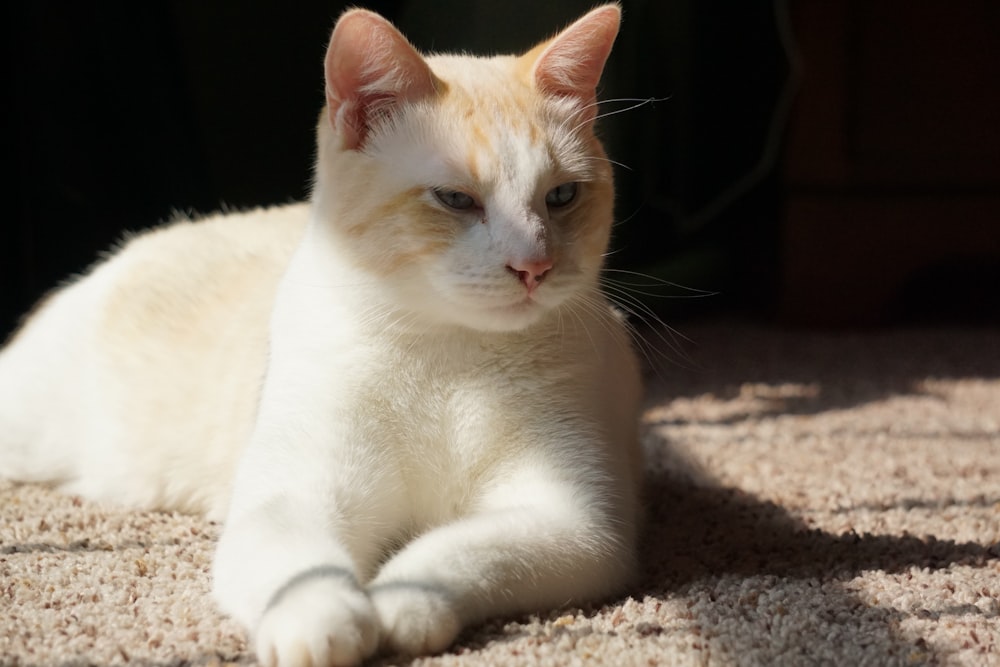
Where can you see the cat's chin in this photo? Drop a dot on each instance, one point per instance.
(497, 318)
(512, 317)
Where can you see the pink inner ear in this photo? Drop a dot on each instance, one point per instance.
(370, 68)
(571, 63)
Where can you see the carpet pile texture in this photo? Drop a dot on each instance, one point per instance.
(813, 498)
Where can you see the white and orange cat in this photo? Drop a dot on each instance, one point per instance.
(408, 399)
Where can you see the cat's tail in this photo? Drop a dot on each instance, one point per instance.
(40, 387)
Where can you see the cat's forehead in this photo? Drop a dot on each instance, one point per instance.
(495, 121)
(497, 78)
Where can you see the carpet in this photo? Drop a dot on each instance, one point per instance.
(813, 499)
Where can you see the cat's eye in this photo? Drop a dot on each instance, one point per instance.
(561, 195)
(454, 199)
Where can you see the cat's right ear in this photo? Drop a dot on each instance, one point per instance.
(370, 69)
(570, 64)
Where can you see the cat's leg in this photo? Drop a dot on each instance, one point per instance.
(296, 587)
(302, 535)
(533, 542)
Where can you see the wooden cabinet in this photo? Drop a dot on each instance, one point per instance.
(892, 161)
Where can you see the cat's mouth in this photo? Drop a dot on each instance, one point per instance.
(526, 307)
(501, 310)
(510, 316)
(525, 303)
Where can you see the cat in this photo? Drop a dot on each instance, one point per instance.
(407, 399)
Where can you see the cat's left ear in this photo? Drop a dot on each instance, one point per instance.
(571, 63)
(371, 69)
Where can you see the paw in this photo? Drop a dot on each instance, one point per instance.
(415, 620)
(318, 623)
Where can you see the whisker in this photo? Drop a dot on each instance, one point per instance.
(637, 102)
(633, 289)
(655, 281)
(636, 306)
(627, 219)
(598, 306)
(583, 325)
(654, 324)
(609, 161)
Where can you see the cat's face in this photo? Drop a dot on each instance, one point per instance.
(482, 200)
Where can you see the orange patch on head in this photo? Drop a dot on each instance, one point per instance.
(485, 116)
(535, 134)
(479, 148)
(400, 232)
(592, 223)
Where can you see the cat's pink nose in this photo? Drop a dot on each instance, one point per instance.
(532, 272)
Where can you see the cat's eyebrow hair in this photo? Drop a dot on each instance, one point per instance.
(318, 572)
(576, 169)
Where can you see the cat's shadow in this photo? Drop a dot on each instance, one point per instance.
(721, 549)
(698, 533)
(726, 548)
(791, 372)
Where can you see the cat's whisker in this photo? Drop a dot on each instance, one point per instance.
(617, 223)
(596, 306)
(653, 323)
(595, 158)
(636, 103)
(620, 294)
(631, 288)
(609, 321)
(586, 330)
(655, 281)
(560, 324)
(626, 298)
(579, 111)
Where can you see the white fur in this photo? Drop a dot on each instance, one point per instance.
(137, 384)
(398, 453)
(510, 457)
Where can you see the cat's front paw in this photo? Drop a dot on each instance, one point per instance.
(318, 623)
(415, 619)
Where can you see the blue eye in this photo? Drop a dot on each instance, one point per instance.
(561, 195)
(454, 199)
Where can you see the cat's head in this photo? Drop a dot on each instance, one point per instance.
(473, 190)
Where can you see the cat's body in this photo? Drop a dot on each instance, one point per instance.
(139, 384)
(422, 407)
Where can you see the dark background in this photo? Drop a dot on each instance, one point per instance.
(813, 162)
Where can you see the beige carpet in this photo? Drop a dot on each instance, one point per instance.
(813, 499)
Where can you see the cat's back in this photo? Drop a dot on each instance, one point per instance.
(165, 339)
(173, 270)
(181, 279)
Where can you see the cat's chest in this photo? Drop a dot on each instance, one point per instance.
(433, 399)
(443, 419)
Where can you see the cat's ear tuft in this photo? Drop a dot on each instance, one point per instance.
(370, 69)
(571, 63)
